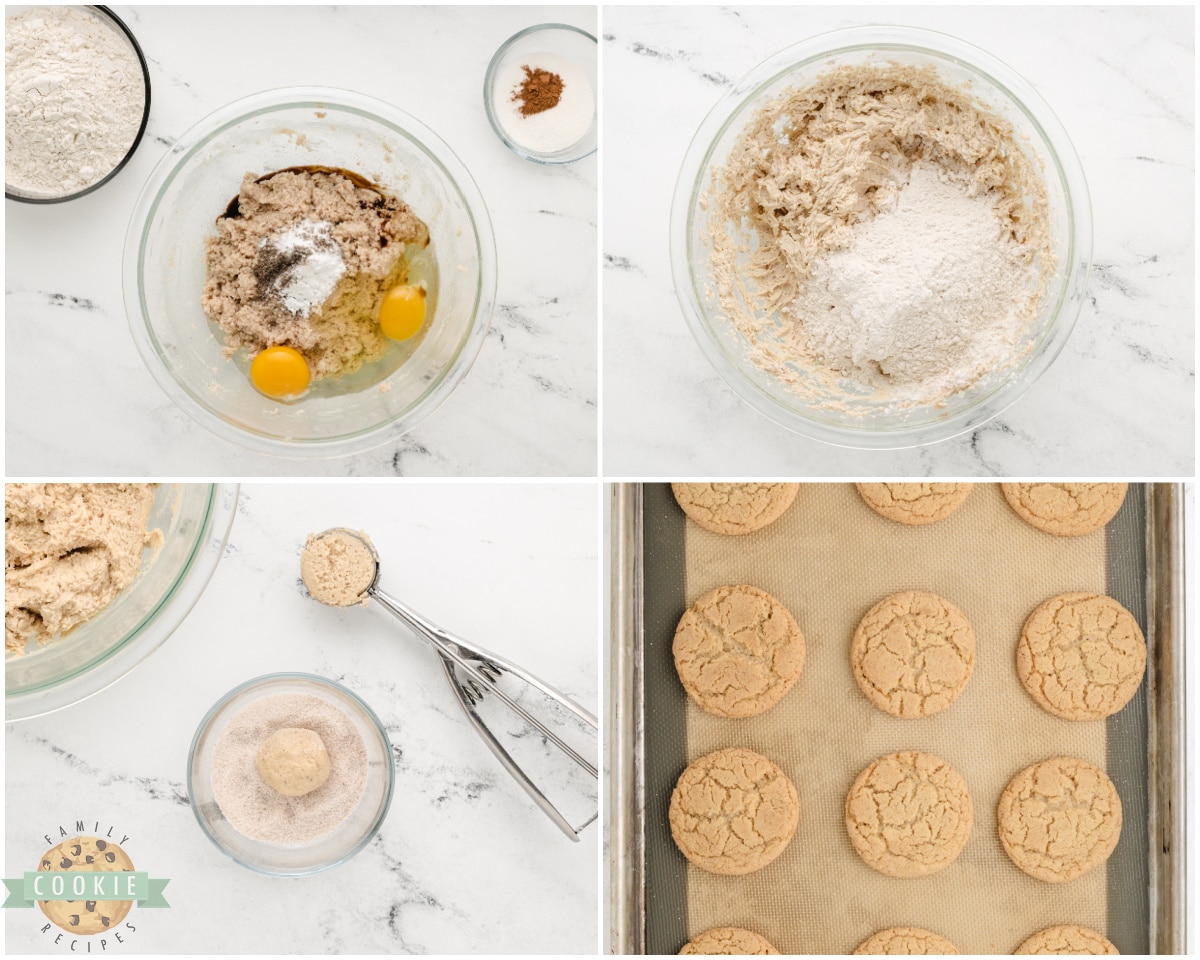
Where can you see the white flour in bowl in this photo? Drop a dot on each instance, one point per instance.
(74, 95)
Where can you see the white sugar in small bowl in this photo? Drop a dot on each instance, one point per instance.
(565, 133)
(325, 852)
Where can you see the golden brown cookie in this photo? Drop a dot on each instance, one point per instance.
(1081, 656)
(1068, 938)
(1066, 509)
(734, 508)
(1060, 818)
(731, 941)
(733, 812)
(909, 814)
(905, 940)
(913, 653)
(87, 855)
(914, 504)
(738, 651)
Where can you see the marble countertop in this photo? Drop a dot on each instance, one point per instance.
(80, 401)
(464, 862)
(1121, 397)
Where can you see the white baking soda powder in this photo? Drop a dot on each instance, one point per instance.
(553, 130)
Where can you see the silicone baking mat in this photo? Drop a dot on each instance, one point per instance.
(829, 559)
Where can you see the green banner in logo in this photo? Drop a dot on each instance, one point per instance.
(78, 885)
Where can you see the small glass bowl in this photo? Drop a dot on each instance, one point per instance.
(863, 422)
(165, 262)
(561, 40)
(195, 519)
(323, 853)
(117, 25)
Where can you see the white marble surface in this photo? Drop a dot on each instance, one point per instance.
(79, 400)
(464, 862)
(1121, 397)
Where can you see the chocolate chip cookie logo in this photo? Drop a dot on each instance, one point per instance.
(85, 886)
(82, 855)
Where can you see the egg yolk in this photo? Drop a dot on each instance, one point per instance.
(280, 372)
(403, 312)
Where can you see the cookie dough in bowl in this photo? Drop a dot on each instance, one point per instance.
(70, 549)
(316, 273)
(285, 173)
(894, 146)
(193, 520)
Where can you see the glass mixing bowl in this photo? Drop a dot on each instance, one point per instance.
(195, 519)
(301, 859)
(866, 423)
(194, 183)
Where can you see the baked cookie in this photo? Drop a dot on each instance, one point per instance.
(1081, 656)
(734, 508)
(86, 855)
(909, 814)
(905, 940)
(733, 812)
(913, 653)
(1068, 938)
(738, 651)
(1066, 509)
(914, 504)
(1060, 818)
(733, 941)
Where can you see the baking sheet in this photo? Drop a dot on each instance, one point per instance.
(829, 559)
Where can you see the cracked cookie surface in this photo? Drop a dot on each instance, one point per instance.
(914, 504)
(1081, 656)
(913, 654)
(732, 941)
(733, 812)
(1067, 938)
(909, 814)
(738, 651)
(734, 508)
(1060, 818)
(905, 940)
(1065, 509)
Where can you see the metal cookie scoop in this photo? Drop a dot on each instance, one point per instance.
(471, 671)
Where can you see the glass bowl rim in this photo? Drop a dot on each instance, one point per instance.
(265, 102)
(137, 140)
(265, 680)
(489, 103)
(1062, 160)
(189, 584)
